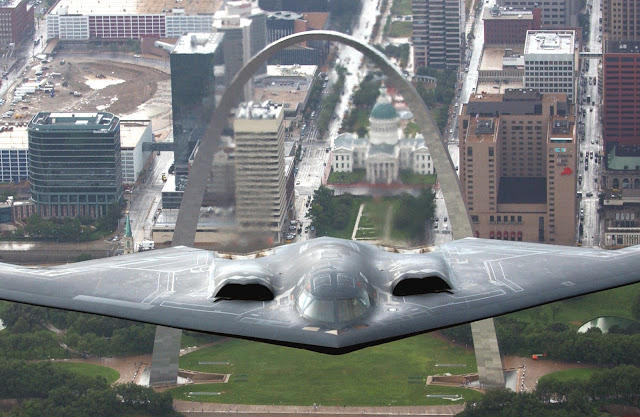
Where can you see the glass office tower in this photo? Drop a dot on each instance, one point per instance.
(74, 163)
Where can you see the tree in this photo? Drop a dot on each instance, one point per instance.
(635, 308)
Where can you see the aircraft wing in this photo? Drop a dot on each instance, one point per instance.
(328, 295)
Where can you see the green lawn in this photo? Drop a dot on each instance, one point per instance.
(89, 370)
(401, 7)
(576, 311)
(378, 376)
(348, 230)
(371, 224)
(401, 29)
(354, 177)
(413, 178)
(582, 374)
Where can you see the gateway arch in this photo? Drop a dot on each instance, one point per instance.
(164, 368)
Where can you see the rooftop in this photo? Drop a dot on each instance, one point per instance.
(16, 138)
(522, 190)
(624, 158)
(131, 132)
(496, 58)
(496, 13)
(8, 4)
(561, 126)
(285, 16)
(622, 47)
(291, 70)
(264, 110)
(210, 217)
(198, 43)
(115, 7)
(79, 121)
(481, 130)
(548, 42)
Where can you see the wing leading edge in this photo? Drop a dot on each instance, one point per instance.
(176, 287)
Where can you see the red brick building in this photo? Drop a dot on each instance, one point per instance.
(16, 21)
(621, 93)
(508, 27)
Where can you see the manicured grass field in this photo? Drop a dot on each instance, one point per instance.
(582, 374)
(356, 176)
(89, 370)
(413, 178)
(401, 29)
(401, 7)
(372, 221)
(389, 374)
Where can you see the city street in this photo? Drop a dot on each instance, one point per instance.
(145, 200)
(591, 142)
(315, 162)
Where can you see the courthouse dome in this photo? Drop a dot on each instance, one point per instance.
(384, 111)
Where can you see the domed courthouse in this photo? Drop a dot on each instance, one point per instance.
(384, 153)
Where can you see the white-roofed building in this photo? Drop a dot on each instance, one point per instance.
(549, 61)
(14, 162)
(133, 134)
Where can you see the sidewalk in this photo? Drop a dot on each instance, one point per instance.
(207, 409)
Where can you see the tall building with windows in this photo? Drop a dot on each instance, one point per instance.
(260, 168)
(621, 93)
(192, 94)
(518, 166)
(16, 21)
(556, 14)
(245, 32)
(508, 27)
(549, 62)
(438, 35)
(621, 20)
(14, 143)
(74, 163)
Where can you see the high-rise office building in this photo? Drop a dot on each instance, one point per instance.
(283, 23)
(549, 62)
(621, 20)
(621, 93)
(16, 21)
(438, 35)
(245, 33)
(74, 163)
(518, 166)
(260, 177)
(556, 14)
(192, 94)
(508, 27)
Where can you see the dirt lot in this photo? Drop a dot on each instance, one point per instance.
(110, 86)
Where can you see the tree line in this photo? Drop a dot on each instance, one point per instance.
(87, 334)
(47, 390)
(80, 229)
(572, 398)
(438, 99)
(516, 337)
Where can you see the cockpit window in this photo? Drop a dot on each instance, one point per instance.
(333, 310)
(353, 308)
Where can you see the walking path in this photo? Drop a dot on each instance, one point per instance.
(355, 228)
(207, 409)
(387, 224)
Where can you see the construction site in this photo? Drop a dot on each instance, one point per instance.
(85, 85)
